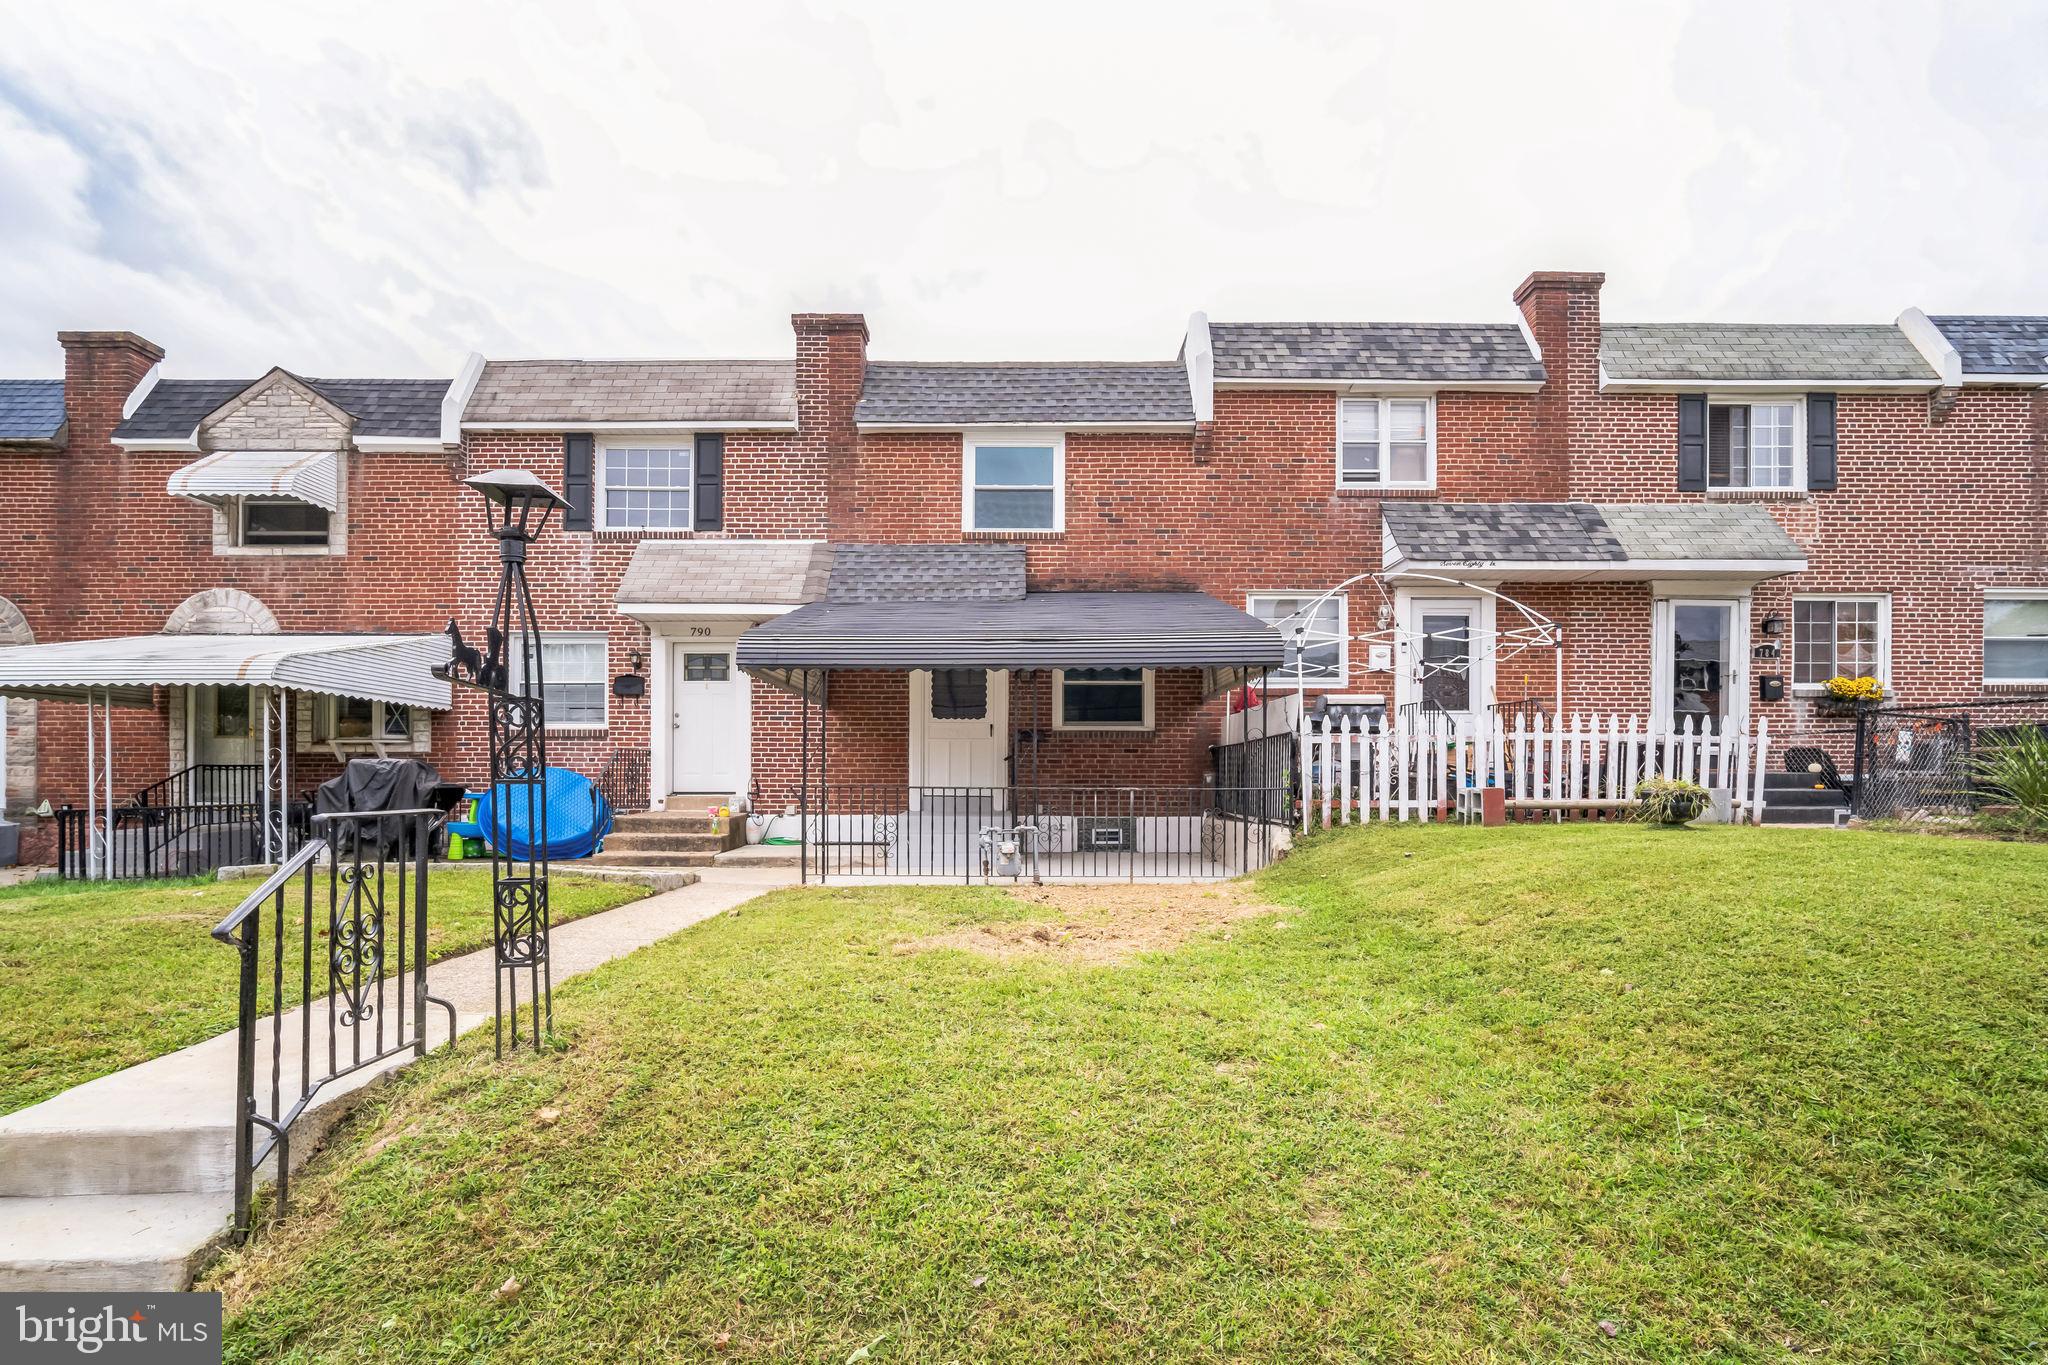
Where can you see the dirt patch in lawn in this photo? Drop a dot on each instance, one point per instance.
(1103, 925)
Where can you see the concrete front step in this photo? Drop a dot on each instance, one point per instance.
(109, 1242)
(647, 841)
(651, 860)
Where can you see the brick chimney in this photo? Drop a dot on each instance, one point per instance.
(100, 370)
(831, 365)
(1562, 310)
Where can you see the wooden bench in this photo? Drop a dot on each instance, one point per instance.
(1559, 809)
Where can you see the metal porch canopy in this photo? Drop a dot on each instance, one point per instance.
(122, 671)
(307, 476)
(1035, 631)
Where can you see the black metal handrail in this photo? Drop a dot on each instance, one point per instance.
(623, 780)
(366, 856)
(200, 784)
(167, 841)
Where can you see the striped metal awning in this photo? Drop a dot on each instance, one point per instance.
(386, 668)
(312, 476)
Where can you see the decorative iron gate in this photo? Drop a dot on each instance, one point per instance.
(340, 932)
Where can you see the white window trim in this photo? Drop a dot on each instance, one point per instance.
(1884, 637)
(1056, 439)
(601, 512)
(323, 719)
(516, 650)
(1059, 706)
(1777, 400)
(1280, 676)
(1386, 441)
(1985, 636)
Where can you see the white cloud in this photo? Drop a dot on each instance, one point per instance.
(378, 188)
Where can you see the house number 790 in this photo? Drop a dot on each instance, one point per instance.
(700, 630)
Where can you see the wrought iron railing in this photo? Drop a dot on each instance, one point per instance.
(339, 932)
(1257, 776)
(166, 840)
(1003, 834)
(205, 784)
(1531, 711)
(623, 780)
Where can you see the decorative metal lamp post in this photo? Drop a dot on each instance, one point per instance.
(517, 507)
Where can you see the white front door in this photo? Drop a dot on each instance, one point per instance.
(959, 727)
(1445, 662)
(1698, 657)
(709, 751)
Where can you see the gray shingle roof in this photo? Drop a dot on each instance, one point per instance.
(31, 409)
(688, 572)
(1664, 530)
(381, 407)
(926, 573)
(572, 392)
(1427, 352)
(945, 394)
(1040, 630)
(1997, 345)
(1775, 351)
(1584, 533)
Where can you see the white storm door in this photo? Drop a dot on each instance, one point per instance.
(711, 723)
(1699, 659)
(960, 722)
(224, 721)
(1443, 656)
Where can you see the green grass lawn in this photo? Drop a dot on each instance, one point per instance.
(1740, 1094)
(95, 977)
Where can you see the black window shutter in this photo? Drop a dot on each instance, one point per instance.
(576, 480)
(709, 502)
(1820, 440)
(1692, 443)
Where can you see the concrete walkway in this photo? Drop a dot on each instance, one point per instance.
(125, 1182)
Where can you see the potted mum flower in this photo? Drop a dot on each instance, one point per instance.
(1845, 696)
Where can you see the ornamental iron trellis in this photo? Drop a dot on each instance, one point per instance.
(517, 507)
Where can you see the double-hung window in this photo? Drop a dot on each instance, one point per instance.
(1386, 442)
(1753, 445)
(1013, 481)
(572, 678)
(1840, 637)
(646, 487)
(2016, 637)
(1315, 639)
(1102, 698)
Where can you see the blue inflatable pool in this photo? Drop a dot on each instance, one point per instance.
(578, 818)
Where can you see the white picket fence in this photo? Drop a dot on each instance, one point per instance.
(1353, 773)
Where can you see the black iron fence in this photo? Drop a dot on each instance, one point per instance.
(340, 932)
(1003, 834)
(1257, 776)
(1920, 761)
(175, 839)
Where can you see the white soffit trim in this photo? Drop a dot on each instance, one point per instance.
(397, 445)
(1382, 386)
(1199, 354)
(2007, 381)
(456, 400)
(181, 445)
(1601, 570)
(1933, 347)
(664, 611)
(1819, 383)
(571, 424)
(309, 476)
(1051, 427)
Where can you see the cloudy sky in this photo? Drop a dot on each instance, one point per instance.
(380, 188)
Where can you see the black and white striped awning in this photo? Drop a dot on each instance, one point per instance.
(1037, 630)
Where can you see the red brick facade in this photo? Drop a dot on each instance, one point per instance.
(1937, 500)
